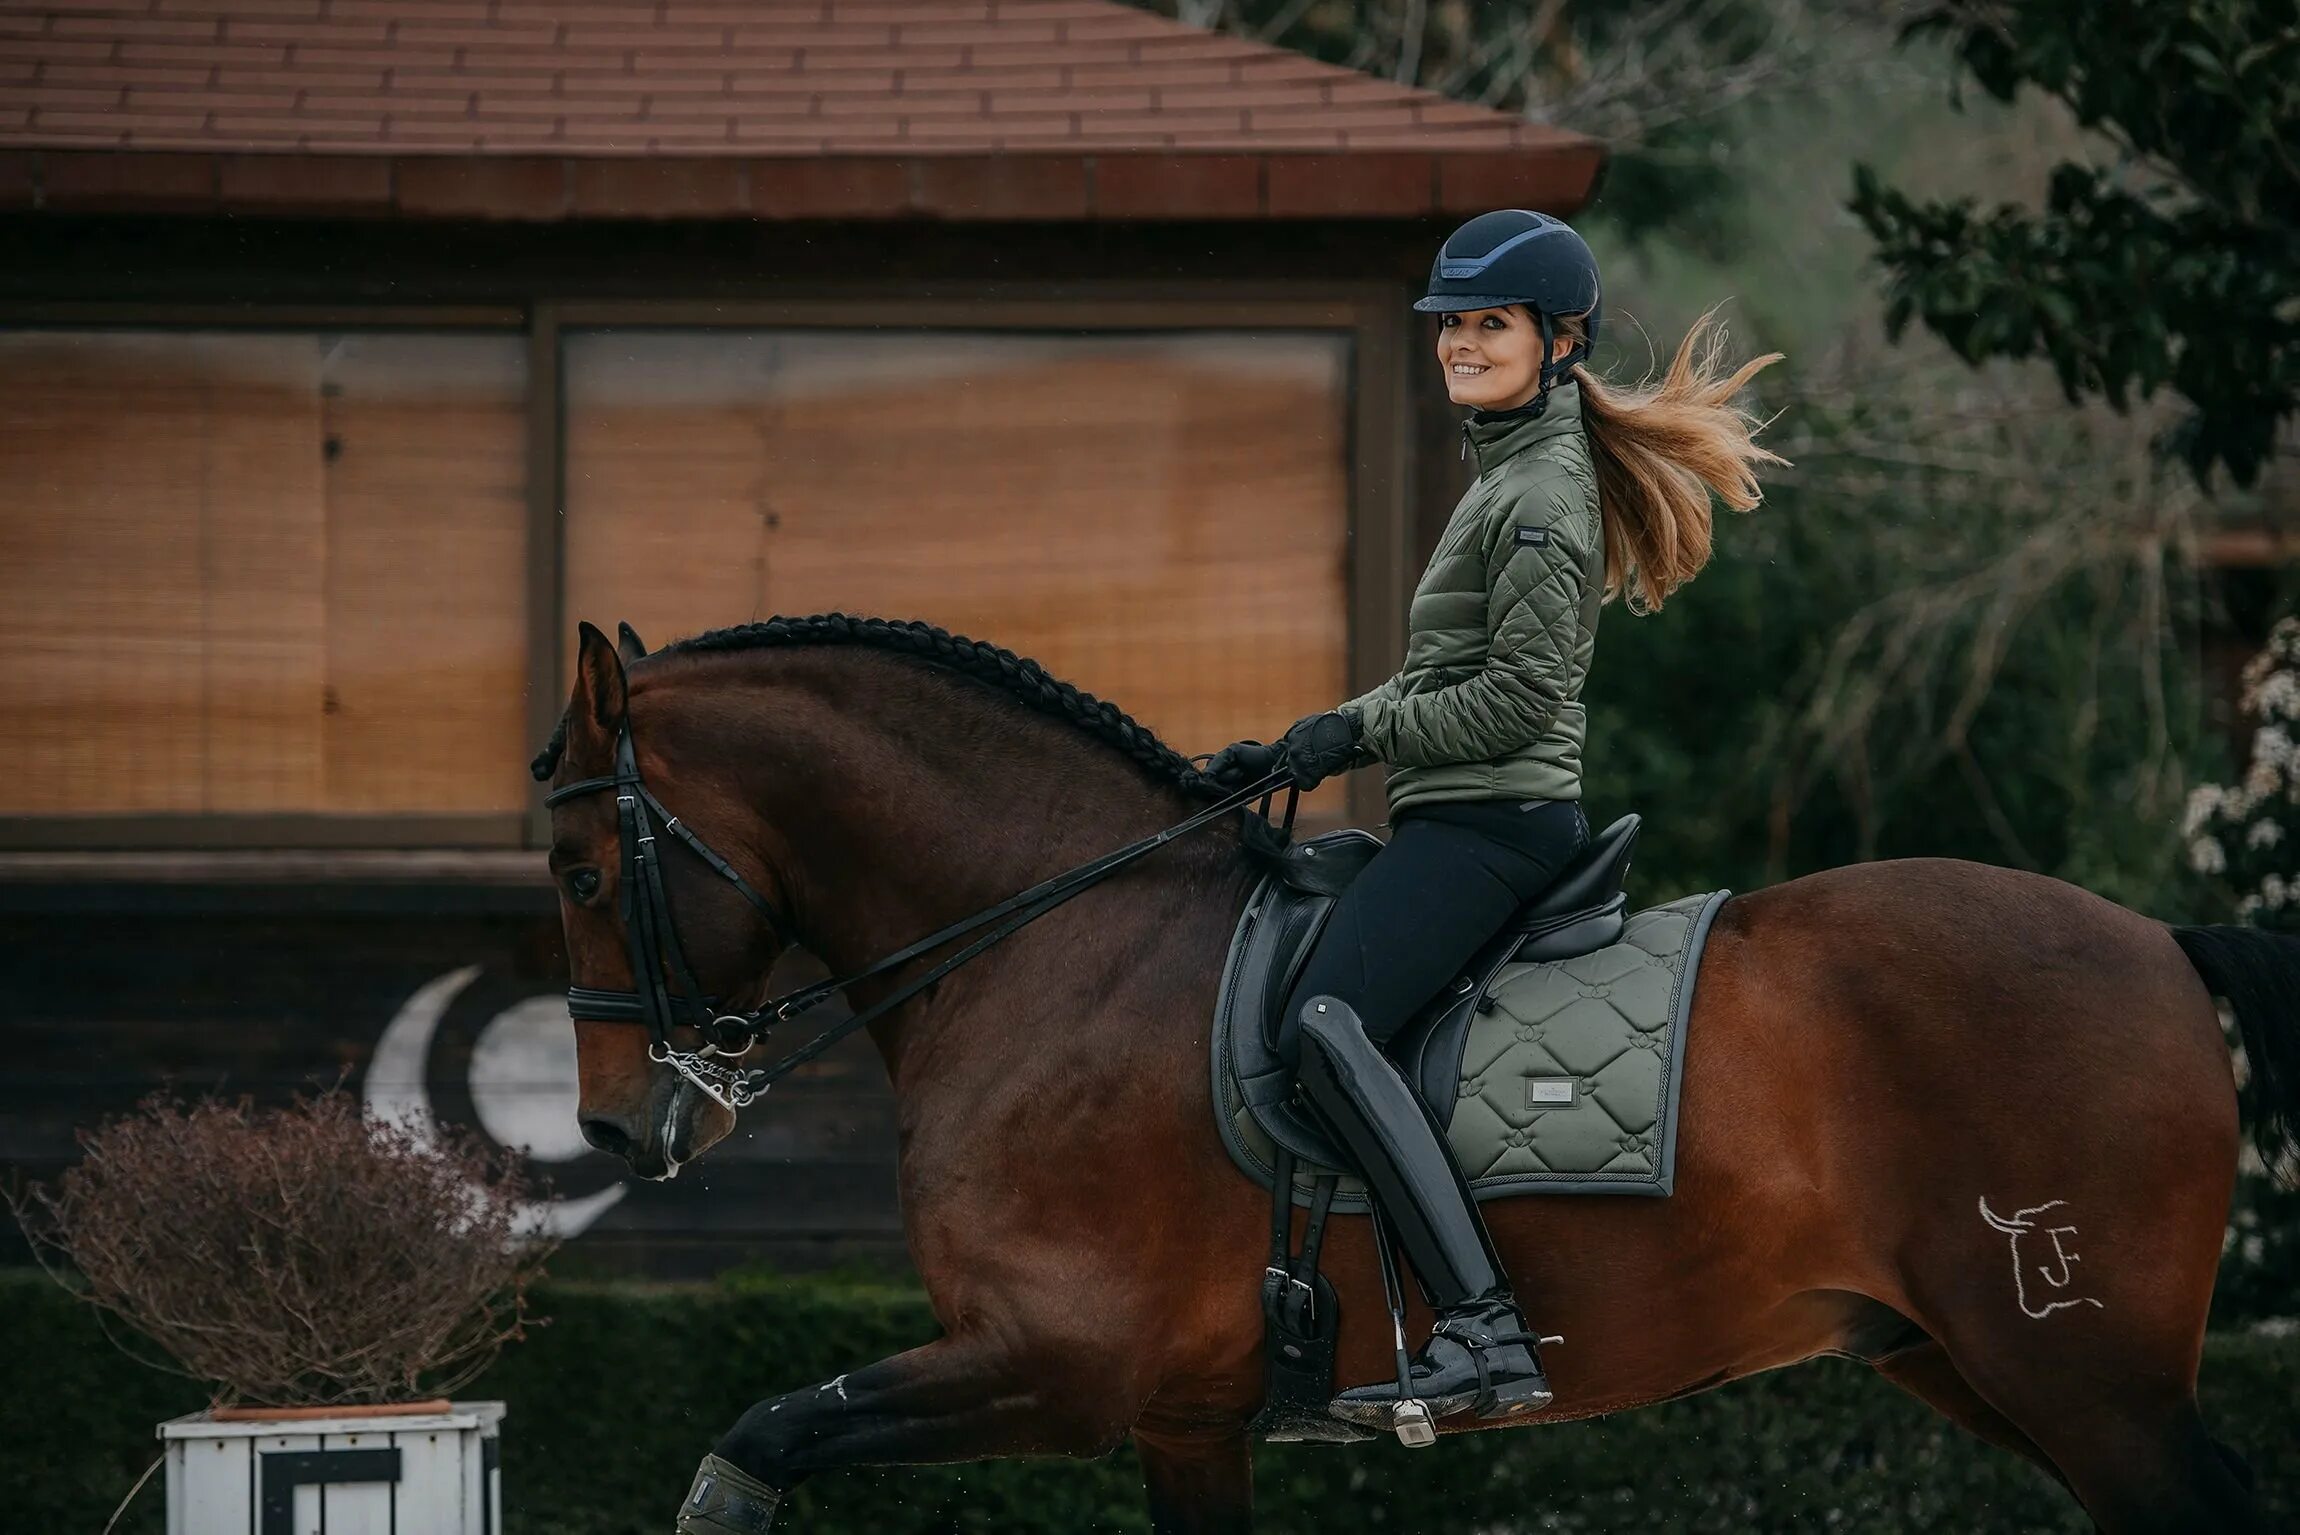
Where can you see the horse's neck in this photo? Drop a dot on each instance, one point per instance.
(940, 806)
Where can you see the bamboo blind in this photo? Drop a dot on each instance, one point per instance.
(262, 572)
(1162, 520)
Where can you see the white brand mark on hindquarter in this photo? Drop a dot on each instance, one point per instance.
(2057, 1274)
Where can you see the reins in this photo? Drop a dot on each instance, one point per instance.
(654, 944)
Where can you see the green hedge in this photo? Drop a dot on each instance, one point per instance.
(614, 1401)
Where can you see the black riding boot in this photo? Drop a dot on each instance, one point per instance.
(1480, 1353)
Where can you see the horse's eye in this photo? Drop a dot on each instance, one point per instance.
(583, 884)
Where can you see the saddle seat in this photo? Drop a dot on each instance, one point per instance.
(1583, 910)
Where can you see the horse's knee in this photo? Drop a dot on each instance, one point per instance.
(1083, 1414)
(1083, 1438)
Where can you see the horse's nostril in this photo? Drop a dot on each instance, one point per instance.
(606, 1136)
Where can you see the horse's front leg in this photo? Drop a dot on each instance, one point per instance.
(1200, 1482)
(964, 1397)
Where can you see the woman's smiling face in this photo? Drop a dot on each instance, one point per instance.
(1491, 358)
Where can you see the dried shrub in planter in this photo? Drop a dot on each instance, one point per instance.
(298, 1257)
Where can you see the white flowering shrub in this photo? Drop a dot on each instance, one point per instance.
(2247, 834)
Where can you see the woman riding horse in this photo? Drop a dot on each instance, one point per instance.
(1583, 493)
(1895, 1066)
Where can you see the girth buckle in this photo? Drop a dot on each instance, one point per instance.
(1295, 1299)
(1286, 1277)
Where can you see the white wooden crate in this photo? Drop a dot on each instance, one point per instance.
(429, 1474)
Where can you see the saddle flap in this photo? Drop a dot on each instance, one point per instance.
(1291, 908)
(1281, 922)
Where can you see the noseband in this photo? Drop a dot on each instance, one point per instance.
(658, 961)
(653, 938)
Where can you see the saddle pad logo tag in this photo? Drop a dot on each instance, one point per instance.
(1551, 1092)
(1531, 537)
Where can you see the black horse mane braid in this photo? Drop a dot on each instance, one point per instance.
(1016, 676)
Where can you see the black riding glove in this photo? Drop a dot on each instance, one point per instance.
(1242, 763)
(1318, 746)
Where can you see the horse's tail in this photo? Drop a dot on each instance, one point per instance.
(2258, 973)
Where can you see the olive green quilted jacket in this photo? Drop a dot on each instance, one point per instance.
(1488, 703)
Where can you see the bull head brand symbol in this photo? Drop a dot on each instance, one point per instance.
(2050, 1256)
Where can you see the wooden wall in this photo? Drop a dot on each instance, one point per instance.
(261, 994)
(285, 572)
(251, 572)
(1137, 462)
(1163, 520)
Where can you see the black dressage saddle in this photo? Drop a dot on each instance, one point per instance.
(1582, 910)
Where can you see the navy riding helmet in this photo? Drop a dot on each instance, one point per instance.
(1513, 256)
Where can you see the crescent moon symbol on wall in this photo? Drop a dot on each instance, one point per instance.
(396, 1090)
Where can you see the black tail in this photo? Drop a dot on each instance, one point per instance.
(2259, 976)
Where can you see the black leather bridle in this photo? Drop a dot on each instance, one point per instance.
(669, 997)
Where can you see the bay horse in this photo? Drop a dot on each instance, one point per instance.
(1926, 1101)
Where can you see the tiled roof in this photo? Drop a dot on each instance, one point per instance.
(460, 89)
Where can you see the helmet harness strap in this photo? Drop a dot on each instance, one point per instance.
(1550, 373)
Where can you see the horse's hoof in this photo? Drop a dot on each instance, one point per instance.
(727, 1500)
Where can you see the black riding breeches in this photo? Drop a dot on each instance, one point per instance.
(1450, 877)
(1447, 881)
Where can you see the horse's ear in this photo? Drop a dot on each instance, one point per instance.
(602, 696)
(628, 645)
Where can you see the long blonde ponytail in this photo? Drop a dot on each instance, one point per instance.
(1661, 450)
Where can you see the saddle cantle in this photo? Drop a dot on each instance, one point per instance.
(1576, 1009)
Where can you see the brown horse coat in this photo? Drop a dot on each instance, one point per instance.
(1880, 1059)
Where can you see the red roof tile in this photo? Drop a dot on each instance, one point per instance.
(1091, 81)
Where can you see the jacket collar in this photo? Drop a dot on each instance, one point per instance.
(1497, 439)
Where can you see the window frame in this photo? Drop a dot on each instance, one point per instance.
(1378, 458)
